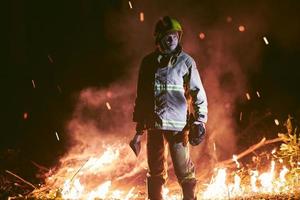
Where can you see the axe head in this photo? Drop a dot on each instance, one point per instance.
(136, 147)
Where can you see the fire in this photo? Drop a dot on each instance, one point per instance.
(101, 192)
(266, 179)
(167, 196)
(218, 188)
(253, 179)
(72, 190)
(234, 158)
(265, 183)
(80, 179)
(95, 165)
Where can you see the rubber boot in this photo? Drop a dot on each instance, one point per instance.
(155, 188)
(189, 189)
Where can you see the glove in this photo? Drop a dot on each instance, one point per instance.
(197, 133)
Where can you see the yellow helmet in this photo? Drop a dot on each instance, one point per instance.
(166, 25)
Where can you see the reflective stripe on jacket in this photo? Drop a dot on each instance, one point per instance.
(164, 86)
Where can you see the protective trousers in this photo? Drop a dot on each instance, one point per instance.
(157, 143)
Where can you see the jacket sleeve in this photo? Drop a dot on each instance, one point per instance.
(137, 111)
(197, 93)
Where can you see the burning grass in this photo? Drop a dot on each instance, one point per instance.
(115, 174)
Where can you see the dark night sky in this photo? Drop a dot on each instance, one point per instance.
(76, 36)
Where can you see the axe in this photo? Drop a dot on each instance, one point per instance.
(135, 144)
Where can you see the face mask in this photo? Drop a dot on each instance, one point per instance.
(169, 42)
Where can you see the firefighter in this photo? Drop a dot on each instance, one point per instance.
(168, 80)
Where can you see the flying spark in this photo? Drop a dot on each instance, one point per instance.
(141, 16)
(242, 28)
(257, 93)
(266, 40)
(215, 148)
(130, 5)
(276, 122)
(59, 89)
(229, 19)
(56, 135)
(241, 116)
(25, 115)
(108, 106)
(33, 83)
(248, 96)
(201, 36)
(50, 58)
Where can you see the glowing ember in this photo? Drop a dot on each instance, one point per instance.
(141, 16)
(108, 106)
(242, 28)
(276, 122)
(266, 40)
(33, 83)
(201, 36)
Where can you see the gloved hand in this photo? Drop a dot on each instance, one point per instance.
(197, 133)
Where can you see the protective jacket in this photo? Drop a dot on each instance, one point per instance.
(166, 83)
